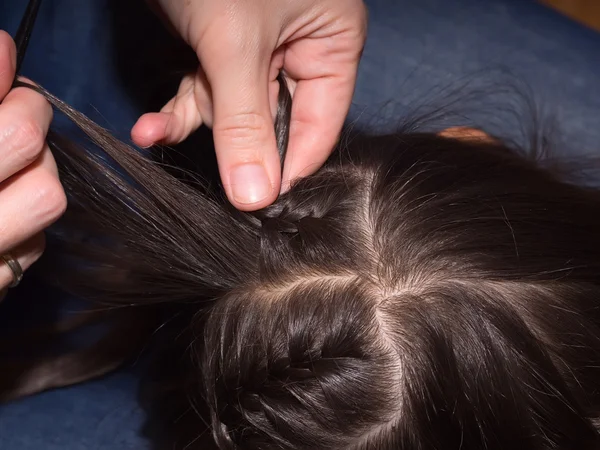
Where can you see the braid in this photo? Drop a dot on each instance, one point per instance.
(300, 364)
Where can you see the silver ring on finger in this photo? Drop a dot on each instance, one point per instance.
(15, 268)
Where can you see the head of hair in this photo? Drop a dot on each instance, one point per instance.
(419, 291)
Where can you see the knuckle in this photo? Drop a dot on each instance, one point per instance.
(230, 40)
(50, 198)
(28, 141)
(364, 24)
(243, 130)
(230, 26)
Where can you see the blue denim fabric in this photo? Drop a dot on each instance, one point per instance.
(413, 48)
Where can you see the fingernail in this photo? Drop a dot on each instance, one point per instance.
(249, 183)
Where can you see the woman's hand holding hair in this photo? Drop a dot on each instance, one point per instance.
(31, 195)
(242, 46)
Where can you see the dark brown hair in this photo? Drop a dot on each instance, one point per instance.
(417, 292)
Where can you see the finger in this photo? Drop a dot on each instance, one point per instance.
(192, 107)
(26, 254)
(150, 129)
(30, 201)
(24, 120)
(319, 109)
(8, 62)
(236, 64)
(180, 117)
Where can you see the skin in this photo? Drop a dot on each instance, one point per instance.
(242, 46)
(31, 195)
(467, 134)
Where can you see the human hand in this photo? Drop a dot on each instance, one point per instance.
(31, 196)
(242, 46)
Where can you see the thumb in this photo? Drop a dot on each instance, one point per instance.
(243, 131)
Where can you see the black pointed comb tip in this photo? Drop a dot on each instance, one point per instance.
(25, 30)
